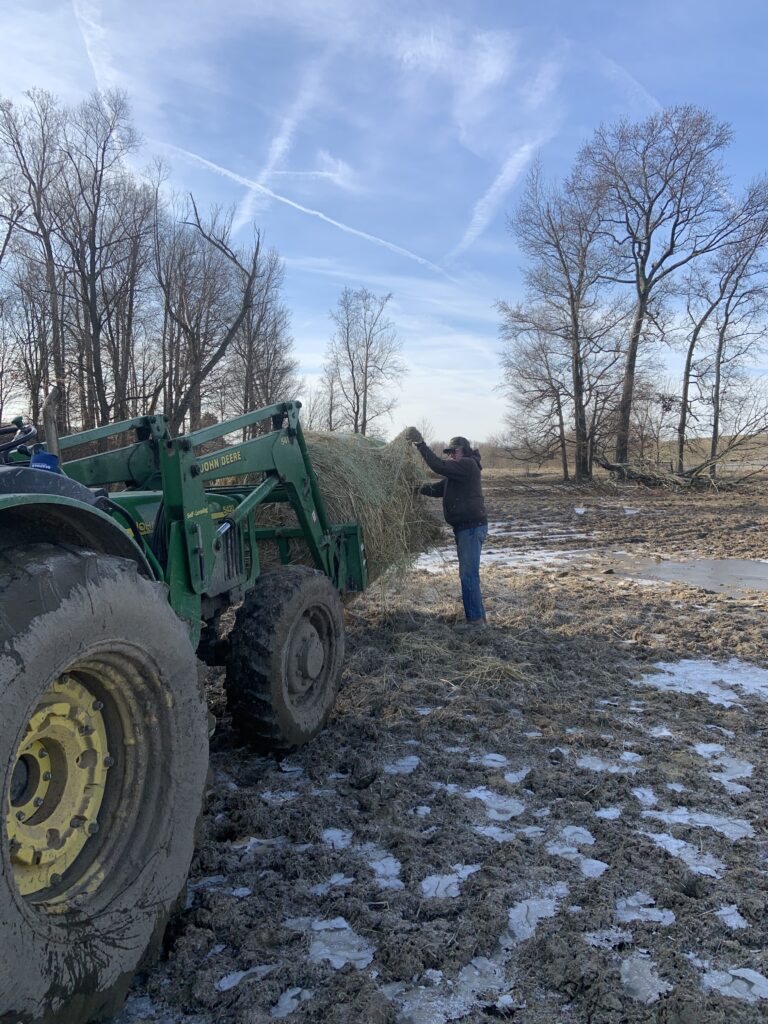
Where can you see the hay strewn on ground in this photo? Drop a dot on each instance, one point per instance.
(373, 484)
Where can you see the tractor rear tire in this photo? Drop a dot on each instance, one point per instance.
(286, 658)
(103, 755)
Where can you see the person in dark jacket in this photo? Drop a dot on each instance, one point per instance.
(464, 510)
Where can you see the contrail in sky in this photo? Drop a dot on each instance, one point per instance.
(225, 172)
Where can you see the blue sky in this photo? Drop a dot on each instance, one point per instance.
(383, 143)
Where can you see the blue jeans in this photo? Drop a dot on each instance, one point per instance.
(469, 544)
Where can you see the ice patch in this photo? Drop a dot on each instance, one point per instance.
(500, 835)
(597, 764)
(337, 838)
(638, 974)
(385, 867)
(713, 679)
(497, 806)
(275, 798)
(405, 766)
(660, 732)
(489, 760)
(524, 917)
(437, 1000)
(676, 787)
(289, 1001)
(608, 938)
(336, 880)
(641, 907)
(738, 982)
(699, 863)
(731, 917)
(423, 810)
(337, 943)
(241, 892)
(579, 510)
(442, 886)
(631, 757)
(513, 778)
(731, 828)
(231, 980)
(730, 767)
(645, 796)
(424, 710)
(608, 813)
(573, 836)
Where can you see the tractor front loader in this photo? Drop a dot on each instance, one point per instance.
(114, 571)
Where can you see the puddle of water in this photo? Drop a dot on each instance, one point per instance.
(597, 764)
(440, 560)
(336, 880)
(646, 797)
(716, 575)
(608, 813)
(385, 867)
(489, 760)
(337, 838)
(524, 917)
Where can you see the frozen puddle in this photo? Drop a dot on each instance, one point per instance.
(252, 974)
(731, 828)
(638, 974)
(498, 807)
(442, 886)
(700, 863)
(385, 867)
(731, 917)
(405, 766)
(334, 941)
(738, 982)
(438, 1000)
(337, 838)
(524, 917)
(730, 768)
(597, 764)
(571, 837)
(608, 938)
(289, 1001)
(335, 881)
(718, 681)
(641, 907)
(441, 560)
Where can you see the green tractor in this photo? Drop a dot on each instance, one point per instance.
(109, 600)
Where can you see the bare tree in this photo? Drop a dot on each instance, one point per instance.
(665, 205)
(208, 290)
(363, 359)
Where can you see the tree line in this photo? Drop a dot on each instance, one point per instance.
(643, 246)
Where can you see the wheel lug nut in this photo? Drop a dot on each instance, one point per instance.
(108, 762)
(38, 801)
(20, 815)
(55, 878)
(43, 753)
(97, 705)
(46, 776)
(93, 827)
(76, 822)
(86, 730)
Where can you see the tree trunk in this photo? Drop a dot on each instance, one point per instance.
(625, 406)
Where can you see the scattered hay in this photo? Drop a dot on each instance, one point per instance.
(375, 485)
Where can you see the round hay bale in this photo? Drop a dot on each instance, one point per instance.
(373, 484)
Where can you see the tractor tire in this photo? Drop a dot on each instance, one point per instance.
(103, 755)
(285, 660)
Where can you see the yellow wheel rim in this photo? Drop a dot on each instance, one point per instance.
(57, 785)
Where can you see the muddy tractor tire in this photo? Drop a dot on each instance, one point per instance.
(286, 658)
(103, 754)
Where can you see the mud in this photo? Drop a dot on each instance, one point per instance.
(533, 823)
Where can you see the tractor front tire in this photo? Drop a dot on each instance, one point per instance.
(103, 754)
(286, 657)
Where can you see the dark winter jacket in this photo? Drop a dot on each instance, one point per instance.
(461, 490)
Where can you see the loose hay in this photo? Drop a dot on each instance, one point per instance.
(372, 484)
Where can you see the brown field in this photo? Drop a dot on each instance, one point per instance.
(514, 825)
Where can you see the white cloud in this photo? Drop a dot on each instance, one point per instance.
(489, 202)
(225, 172)
(641, 100)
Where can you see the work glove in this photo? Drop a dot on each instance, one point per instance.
(413, 435)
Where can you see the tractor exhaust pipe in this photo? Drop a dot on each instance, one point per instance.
(50, 459)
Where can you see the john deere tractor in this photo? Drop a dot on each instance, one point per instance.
(115, 568)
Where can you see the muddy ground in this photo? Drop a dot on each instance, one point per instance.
(532, 823)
